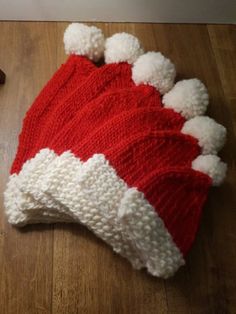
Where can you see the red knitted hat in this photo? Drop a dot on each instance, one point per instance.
(133, 171)
(82, 43)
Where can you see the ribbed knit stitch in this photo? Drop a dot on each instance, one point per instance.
(107, 77)
(101, 109)
(178, 195)
(69, 76)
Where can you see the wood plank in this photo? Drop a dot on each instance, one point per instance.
(223, 40)
(25, 255)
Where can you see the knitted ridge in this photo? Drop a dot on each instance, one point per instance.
(109, 104)
(110, 77)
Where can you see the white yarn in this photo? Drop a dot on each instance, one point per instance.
(32, 176)
(154, 69)
(83, 189)
(212, 166)
(122, 47)
(187, 97)
(15, 201)
(84, 40)
(149, 234)
(210, 134)
(94, 194)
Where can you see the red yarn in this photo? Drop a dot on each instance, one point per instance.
(178, 195)
(115, 130)
(66, 79)
(109, 77)
(140, 154)
(105, 107)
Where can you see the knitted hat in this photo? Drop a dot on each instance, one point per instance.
(81, 42)
(132, 170)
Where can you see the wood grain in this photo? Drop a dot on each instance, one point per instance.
(65, 268)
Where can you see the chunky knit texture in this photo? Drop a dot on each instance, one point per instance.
(110, 132)
(69, 76)
(103, 108)
(110, 77)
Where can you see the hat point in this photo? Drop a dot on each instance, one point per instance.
(152, 68)
(187, 97)
(212, 166)
(84, 40)
(211, 135)
(122, 47)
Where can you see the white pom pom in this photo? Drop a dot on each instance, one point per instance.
(84, 40)
(212, 166)
(187, 97)
(154, 69)
(122, 47)
(210, 134)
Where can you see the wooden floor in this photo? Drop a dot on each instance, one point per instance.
(65, 268)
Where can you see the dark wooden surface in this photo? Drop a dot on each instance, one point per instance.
(66, 269)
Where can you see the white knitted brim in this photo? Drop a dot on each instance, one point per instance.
(96, 196)
(15, 201)
(32, 176)
(41, 175)
(24, 201)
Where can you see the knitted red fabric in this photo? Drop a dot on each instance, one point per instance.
(118, 128)
(105, 107)
(68, 77)
(178, 195)
(109, 77)
(138, 155)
